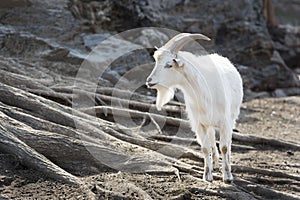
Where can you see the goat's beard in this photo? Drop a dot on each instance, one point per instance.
(164, 95)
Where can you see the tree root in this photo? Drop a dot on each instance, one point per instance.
(263, 191)
(107, 110)
(30, 157)
(264, 141)
(251, 170)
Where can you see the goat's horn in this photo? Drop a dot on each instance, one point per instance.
(172, 41)
(177, 42)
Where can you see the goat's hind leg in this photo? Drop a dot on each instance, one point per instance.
(225, 146)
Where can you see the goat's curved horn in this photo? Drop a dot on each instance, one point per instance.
(172, 41)
(178, 41)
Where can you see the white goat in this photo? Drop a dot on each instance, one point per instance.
(213, 93)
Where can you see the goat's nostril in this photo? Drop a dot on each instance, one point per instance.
(149, 80)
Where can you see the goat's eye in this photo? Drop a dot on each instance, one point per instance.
(168, 66)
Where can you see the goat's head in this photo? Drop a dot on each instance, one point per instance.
(167, 72)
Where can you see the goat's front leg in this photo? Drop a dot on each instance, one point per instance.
(204, 140)
(215, 153)
(225, 146)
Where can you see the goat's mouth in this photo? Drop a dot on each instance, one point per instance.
(150, 85)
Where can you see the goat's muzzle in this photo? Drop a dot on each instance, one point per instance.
(149, 84)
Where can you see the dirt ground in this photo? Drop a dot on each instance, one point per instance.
(260, 171)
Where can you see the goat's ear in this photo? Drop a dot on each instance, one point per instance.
(178, 62)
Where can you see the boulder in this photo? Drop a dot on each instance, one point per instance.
(287, 42)
(92, 40)
(6, 4)
(48, 30)
(237, 28)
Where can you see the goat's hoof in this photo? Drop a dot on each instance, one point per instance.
(228, 178)
(228, 181)
(208, 177)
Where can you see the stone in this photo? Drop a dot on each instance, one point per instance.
(92, 40)
(238, 31)
(66, 31)
(6, 4)
(279, 93)
(287, 43)
(57, 54)
(111, 76)
(276, 58)
(22, 44)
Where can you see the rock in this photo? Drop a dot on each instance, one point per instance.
(276, 58)
(44, 19)
(249, 95)
(292, 91)
(238, 30)
(57, 54)
(111, 76)
(92, 40)
(6, 4)
(270, 70)
(232, 32)
(284, 92)
(287, 43)
(22, 44)
(279, 93)
(287, 13)
(150, 37)
(49, 31)
(113, 51)
(112, 58)
(64, 54)
(15, 44)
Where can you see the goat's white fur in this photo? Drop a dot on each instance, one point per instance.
(213, 93)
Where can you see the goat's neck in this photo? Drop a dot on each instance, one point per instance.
(192, 90)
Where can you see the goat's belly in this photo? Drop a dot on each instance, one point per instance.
(198, 117)
(210, 113)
